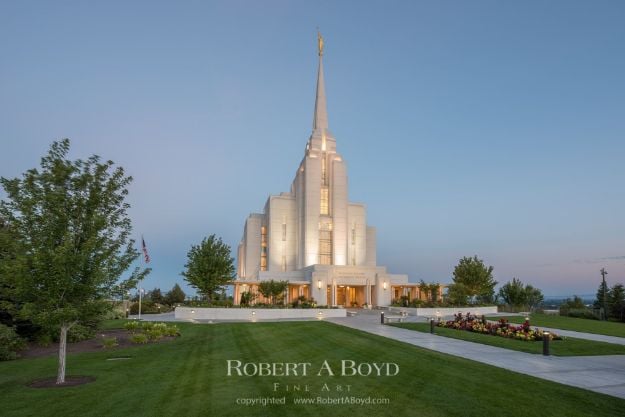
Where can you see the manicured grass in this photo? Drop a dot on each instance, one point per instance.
(608, 328)
(113, 324)
(187, 377)
(568, 347)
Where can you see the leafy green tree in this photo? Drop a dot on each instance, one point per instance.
(247, 297)
(72, 240)
(476, 278)
(513, 293)
(429, 290)
(576, 302)
(534, 297)
(457, 294)
(175, 295)
(209, 266)
(617, 301)
(156, 296)
(8, 304)
(273, 290)
(424, 289)
(433, 289)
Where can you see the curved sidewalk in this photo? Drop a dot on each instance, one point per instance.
(603, 374)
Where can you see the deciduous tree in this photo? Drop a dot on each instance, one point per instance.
(476, 278)
(72, 232)
(516, 294)
(209, 266)
(273, 290)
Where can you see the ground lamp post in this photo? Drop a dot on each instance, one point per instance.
(382, 317)
(432, 325)
(546, 337)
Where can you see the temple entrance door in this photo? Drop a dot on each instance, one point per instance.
(341, 295)
(351, 295)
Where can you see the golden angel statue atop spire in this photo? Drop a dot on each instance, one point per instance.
(320, 43)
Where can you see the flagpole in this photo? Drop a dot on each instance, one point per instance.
(140, 294)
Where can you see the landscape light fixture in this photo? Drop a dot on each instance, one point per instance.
(546, 339)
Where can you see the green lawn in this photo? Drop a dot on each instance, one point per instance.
(608, 328)
(567, 347)
(187, 377)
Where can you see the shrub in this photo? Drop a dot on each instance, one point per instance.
(114, 314)
(10, 343)
(416, 303)
(109, 342)
(580, 313)
(154, 333)
(131, 326)
(44, 339)
(139, 338)
(149, 307)
(171, 330)
(79, 332)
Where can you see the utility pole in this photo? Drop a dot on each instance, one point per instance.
(605, 300)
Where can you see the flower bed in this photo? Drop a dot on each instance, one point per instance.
(502, 328)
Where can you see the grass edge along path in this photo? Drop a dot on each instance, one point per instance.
(567, 347)
(188, 377)
(607, 328)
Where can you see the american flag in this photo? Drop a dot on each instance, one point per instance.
(145, 251)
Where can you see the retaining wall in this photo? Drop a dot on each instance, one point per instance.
(251, 314)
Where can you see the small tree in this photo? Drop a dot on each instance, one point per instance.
(616, 300)
(576, 304)
(517, 295)
(457, 294)
(156, 296)
(476, 278)
(273, 290)
(247, 297)
(513, 293)
(209, 266)
(424, 289)
(433, 289)
(72, 240)
(534, 297)
(175, 295)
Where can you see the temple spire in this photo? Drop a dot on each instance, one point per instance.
(320, 120)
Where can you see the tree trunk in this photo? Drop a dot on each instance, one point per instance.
(60, 377)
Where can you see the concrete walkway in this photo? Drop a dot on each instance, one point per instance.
(603, 374)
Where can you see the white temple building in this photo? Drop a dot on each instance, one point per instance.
(315, 238)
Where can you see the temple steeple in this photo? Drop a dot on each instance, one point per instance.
(320, 120)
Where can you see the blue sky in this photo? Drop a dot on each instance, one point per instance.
(483, 127)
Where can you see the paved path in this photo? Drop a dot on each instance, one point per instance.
(604, 374)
